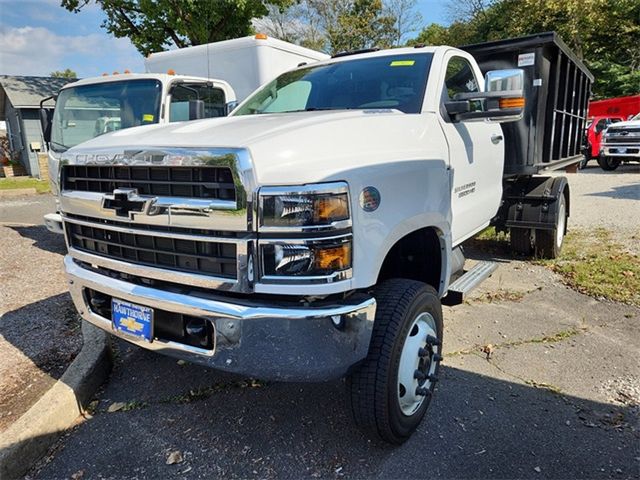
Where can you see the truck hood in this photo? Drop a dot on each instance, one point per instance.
(290, 148)
(629, 123)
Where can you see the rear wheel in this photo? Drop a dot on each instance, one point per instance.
(390, 392)
(549, 242)
(608, 163)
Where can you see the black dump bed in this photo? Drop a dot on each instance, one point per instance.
(557, 89)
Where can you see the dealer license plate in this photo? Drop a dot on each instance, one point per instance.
(131, 319)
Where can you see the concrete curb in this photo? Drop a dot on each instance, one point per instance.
(18, 192)
(29, 438)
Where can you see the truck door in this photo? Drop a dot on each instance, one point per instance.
(476, 153)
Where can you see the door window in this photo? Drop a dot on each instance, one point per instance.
(213, 97)
(460, 78)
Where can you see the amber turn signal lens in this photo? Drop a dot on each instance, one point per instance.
(329, 209)
(261, 36)
(333, 258)
(511, 102)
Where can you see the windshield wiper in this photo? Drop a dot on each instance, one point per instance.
(64, 147)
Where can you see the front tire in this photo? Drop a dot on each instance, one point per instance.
(390, 392)
(608, 163)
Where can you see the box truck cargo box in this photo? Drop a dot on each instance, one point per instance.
(245, 63)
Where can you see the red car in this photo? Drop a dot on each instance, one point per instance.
(593, 136)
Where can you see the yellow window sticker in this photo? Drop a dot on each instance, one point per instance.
(147, 117)
(402, 63)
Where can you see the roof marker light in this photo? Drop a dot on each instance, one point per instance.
(261, 36)
(171, 71)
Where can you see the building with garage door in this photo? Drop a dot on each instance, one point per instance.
(19, 105)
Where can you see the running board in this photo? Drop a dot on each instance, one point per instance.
(467, 282)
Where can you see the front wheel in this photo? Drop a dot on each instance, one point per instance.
(390, 392)
(608, 163)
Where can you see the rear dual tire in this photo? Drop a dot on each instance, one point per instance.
(390, 392)
(542, 243)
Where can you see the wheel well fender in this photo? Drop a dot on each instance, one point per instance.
(532, 202)
(419, 255)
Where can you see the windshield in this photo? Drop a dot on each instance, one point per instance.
(88, 111)
(636, 117)
(393, 81)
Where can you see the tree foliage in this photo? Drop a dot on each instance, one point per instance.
(66, 73)
(604, 33)
(338, 25)
(154, 25)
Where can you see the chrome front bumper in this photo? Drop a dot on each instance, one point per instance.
(266, 341)
(622, 151)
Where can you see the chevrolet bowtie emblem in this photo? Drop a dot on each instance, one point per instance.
(132, 325)
(125, 202)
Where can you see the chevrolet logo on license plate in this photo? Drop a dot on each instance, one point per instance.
(126, 202)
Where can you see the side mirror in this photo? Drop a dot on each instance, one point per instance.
(196, 109)
(46, 118)
(230, 107)
(599, 128)
(502, 101)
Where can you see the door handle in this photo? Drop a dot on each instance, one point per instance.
(496, 139)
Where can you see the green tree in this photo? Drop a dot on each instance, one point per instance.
(66, 73)
(153, 25)
(363, 24)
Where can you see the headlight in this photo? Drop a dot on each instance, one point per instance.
(321, 206)
(305, 258)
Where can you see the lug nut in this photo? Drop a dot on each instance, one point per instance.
(423, 352)
(432, 378)
(418, 375)
(423, 391)
(431, 340)
(436, 357)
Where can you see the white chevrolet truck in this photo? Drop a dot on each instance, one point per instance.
(313, 234)
(620, 143)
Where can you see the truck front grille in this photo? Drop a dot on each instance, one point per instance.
(192, 256)
(167, 181)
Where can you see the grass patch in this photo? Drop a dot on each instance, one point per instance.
(491, 235)
(593, 264)
(41, 186)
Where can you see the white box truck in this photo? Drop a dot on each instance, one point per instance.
(204, 81)
(245, 63)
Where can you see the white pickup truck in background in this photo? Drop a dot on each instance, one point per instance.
(314, 232)
(204, 81)
(620, 143)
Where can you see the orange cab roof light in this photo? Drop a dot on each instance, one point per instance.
(116, 73)
(105, 74)
(261, 36)
(171, 71)
(127, 71)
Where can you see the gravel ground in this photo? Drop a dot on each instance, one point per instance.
(39, 327)
(609, 200)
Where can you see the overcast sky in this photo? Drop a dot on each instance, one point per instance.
(38, 37)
